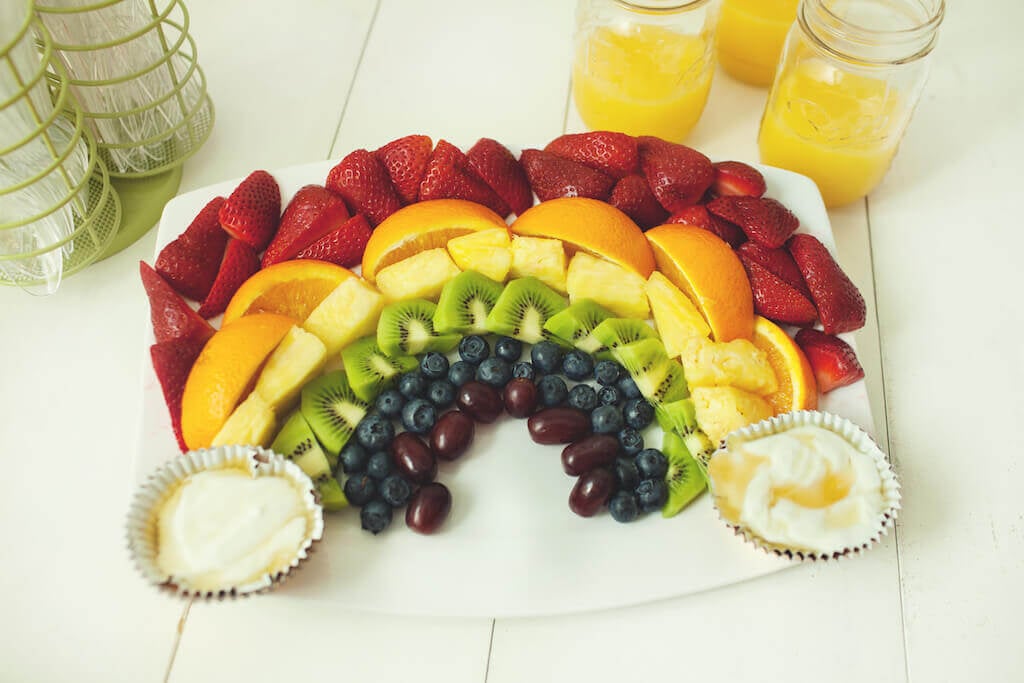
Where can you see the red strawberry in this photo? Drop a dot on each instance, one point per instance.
(699, 216)
(734, 178)
(172, 318)
(833, 361)
(406, 161)
(172, 362)
(190, 262)
(840, 305)
(764, 220)
(552, 177)
(633, 197)
(776, 299)
(344, 246)
(495, 164)
(449, 176)
(614, 154)
(253, 210)
(313, 212)
(777, 261)
(363, 181)
(678, 175)
(239, 263)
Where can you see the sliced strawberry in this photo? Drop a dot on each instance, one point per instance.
(253, 210)
(239, 263)
(699, 216)
(449, 176)
(172, 318)
(613, 154)
(734, 178)
(833, 361)
(344, 246)
(632, 195)
(313, 212)
(363, 181)
(840, 305)
(764, 220)
(777, 261)
(172, 362)
(190, 262)
(498, 167)
(406, 161)
(776, 299)
(678, 175)
(553, 176)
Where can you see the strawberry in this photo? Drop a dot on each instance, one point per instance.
(776, 299)
(764, 220)
(495, 164)
(734, 178)
(633, 197)
(253, 210)
(614, 154)
(344, 246)
(363, 182)
(553, 176)
(840, 305)
(239, 263)
(313, 212)
(678, 175)
(172, 362)
(190, 262)
(449, 176)
(172, 318)
(777, 261)
(833, 361)
(406, 161)
(697, 215)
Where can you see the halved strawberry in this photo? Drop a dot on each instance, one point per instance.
(344, 246)
(172, 362)
(833, 361)
(632, 195)
(734, 178)
(699, 216)
(764, 220)
(498, 167)
(313, 212)
(678, 175)
(840, 305)
(776, 299)
(190, 262)
(449, 176)
(239, 263)
(553, 176)
(171, 317)
(253, 210)
(363, 182)
(406, 161)
(777, 261)
(613, 154)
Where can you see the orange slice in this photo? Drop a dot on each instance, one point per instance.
(797, 388)
(709, 272)
(591, 226)
(421, 226)
(291, 288)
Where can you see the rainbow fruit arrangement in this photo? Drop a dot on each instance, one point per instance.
(644, 289)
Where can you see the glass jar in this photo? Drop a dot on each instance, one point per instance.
(750, 37)
(644, 68)
(850, 76)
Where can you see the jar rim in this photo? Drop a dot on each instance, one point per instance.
(646, 8)
(920, 38)
(932, 23)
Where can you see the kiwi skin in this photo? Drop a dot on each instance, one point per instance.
(332, 409)
(685, 479)
(523, 308)
(407, 327)
(465, 303)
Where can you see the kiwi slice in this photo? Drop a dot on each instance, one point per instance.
(523, 308)
(615, 332)
(659, 379)
(465, 302)
(332, 409)
(297, 442)
(369, 370)
(680, 417)
(407, 328)
(684, 478)
(576, 325)
(332, 495)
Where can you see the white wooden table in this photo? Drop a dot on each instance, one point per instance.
(935, 250)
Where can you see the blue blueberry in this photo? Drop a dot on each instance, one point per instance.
(412, 384)
(395, 491)
(441, 393)
(652, 494)
(375, 517)
(461, 372)
(631, 440)
(474, 349)
(375, 432)
(546, 356)
(577, 365)
(524, 369)
(626, 473)
(638, 413)
(583, 397)
(353, 457)
(609, 396)
(628, 388)
(494, 371)
(606, 420)
(360, 489)
(623, 507)
(434, 365)
(652, 463)
(606, 372)
(379, 465)
(419, 416)
(390, 402)
(552, 390)
(508, 349)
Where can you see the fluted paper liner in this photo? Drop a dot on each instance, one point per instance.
(259, 462)
(852, 433)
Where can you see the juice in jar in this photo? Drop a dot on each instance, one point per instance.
(751, 34)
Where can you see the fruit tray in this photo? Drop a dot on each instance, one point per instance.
(510, 547)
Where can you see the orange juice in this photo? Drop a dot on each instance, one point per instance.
(644, 80)
(750, 37)
(840, 128)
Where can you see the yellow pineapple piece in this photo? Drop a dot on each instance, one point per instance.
(541, 258)
(619, 290)
(675, 315)
(737, 363)
(346, 314)
(252, 423)
(720, 410)
(298, 358)
(488, 252)
(421, 276)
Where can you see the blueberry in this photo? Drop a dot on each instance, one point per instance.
(631, 440)
(376, 516)
(553, 391)
(583, 397)
(375, 432)
(360, 489)
(441, 393)
(379, 465)
(474, 349)
(461, 372)
(524, 369)
(626, 473)
(353, 458)
(546, 356)
(652, 463)
(623, 507)
(609, 396)
(419, 416)
(434, 365)
(577, 365)
(652, 494)
(606, 420)
(412, 384)
(606, 372)
(389, 403)
(628, 388)
(508, 349)
(495, 372)
(638, 413)
(395, 491)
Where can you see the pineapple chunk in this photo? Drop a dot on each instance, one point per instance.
(297, 359)
(252, 423)
(675, 315)
(346, 314)
(488, 252)
(619, 290)
(720, 410)
(421, 276)
(541, 258)
(737, 363)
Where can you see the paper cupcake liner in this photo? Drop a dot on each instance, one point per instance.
(855, 436)
(142, 514)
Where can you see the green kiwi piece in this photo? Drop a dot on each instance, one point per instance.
(523, 308)
(659, 379)
(465, 302)
(333, 409)
(369, 370)
(677, 416)
(700, 447)
(576, 324)
(615, 332)
(684, 478)
(297, 442)
(672, 386)
(332, 495)
(406, 328)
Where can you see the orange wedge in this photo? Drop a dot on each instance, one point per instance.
(591, 226)
(797, 388)
(291, 288)
(706, 269)
(422, 226)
